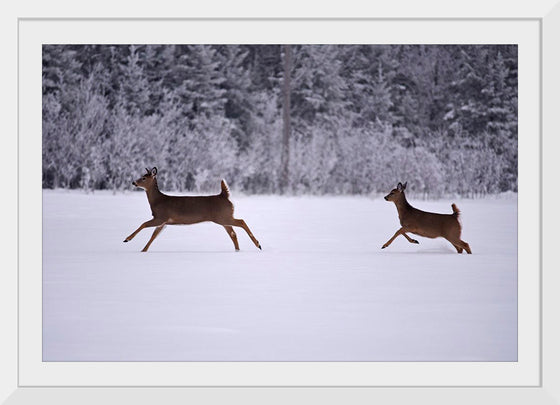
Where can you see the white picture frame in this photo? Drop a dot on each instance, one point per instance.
(44, 382)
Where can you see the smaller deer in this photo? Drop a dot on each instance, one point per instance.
(427, 224)
(174, 210)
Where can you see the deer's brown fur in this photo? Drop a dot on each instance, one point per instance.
(427, 224)
(186, 210)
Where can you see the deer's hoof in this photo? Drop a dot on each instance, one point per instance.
(126, 240)
(383, 247)
(415, 241)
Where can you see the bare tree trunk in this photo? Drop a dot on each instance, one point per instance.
(286, 88)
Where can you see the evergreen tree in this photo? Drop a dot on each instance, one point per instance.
(239, 101)
(134, 87)
(201, 91)
(318, 88)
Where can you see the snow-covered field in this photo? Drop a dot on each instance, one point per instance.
(320, 290)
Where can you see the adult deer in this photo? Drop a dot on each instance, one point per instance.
(174, 210)
(427, 224)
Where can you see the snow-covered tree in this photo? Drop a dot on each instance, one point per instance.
(361, 116)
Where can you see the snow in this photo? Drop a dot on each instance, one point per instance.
(320, 290)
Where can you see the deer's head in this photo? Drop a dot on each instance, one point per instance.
(396, 193)
(147, 180)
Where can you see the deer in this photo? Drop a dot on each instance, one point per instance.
(186, 210)
(427, 224)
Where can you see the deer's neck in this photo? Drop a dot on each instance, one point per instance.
(153, 194)
(403, 207)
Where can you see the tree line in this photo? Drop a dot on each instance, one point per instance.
(359, 118)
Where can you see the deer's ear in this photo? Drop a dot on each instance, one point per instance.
(154, 171)
(400, 186)
(404, 185)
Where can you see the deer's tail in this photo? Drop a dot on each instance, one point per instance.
(225, 189)
(456, 211)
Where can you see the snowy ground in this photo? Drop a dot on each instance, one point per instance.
(320, 290)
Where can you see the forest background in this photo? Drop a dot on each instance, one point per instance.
(282, 119)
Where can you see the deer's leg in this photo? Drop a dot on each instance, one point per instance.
(460, 245)
(408, 238)
(147, 224)
(465, 246)
(242, 224)
(154, 235)
(232, 235)
(399, 232)
(459, 249)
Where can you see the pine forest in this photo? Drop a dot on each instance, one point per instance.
(282, 119)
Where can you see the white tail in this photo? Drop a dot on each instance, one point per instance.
(427, 224)
(172, 210)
